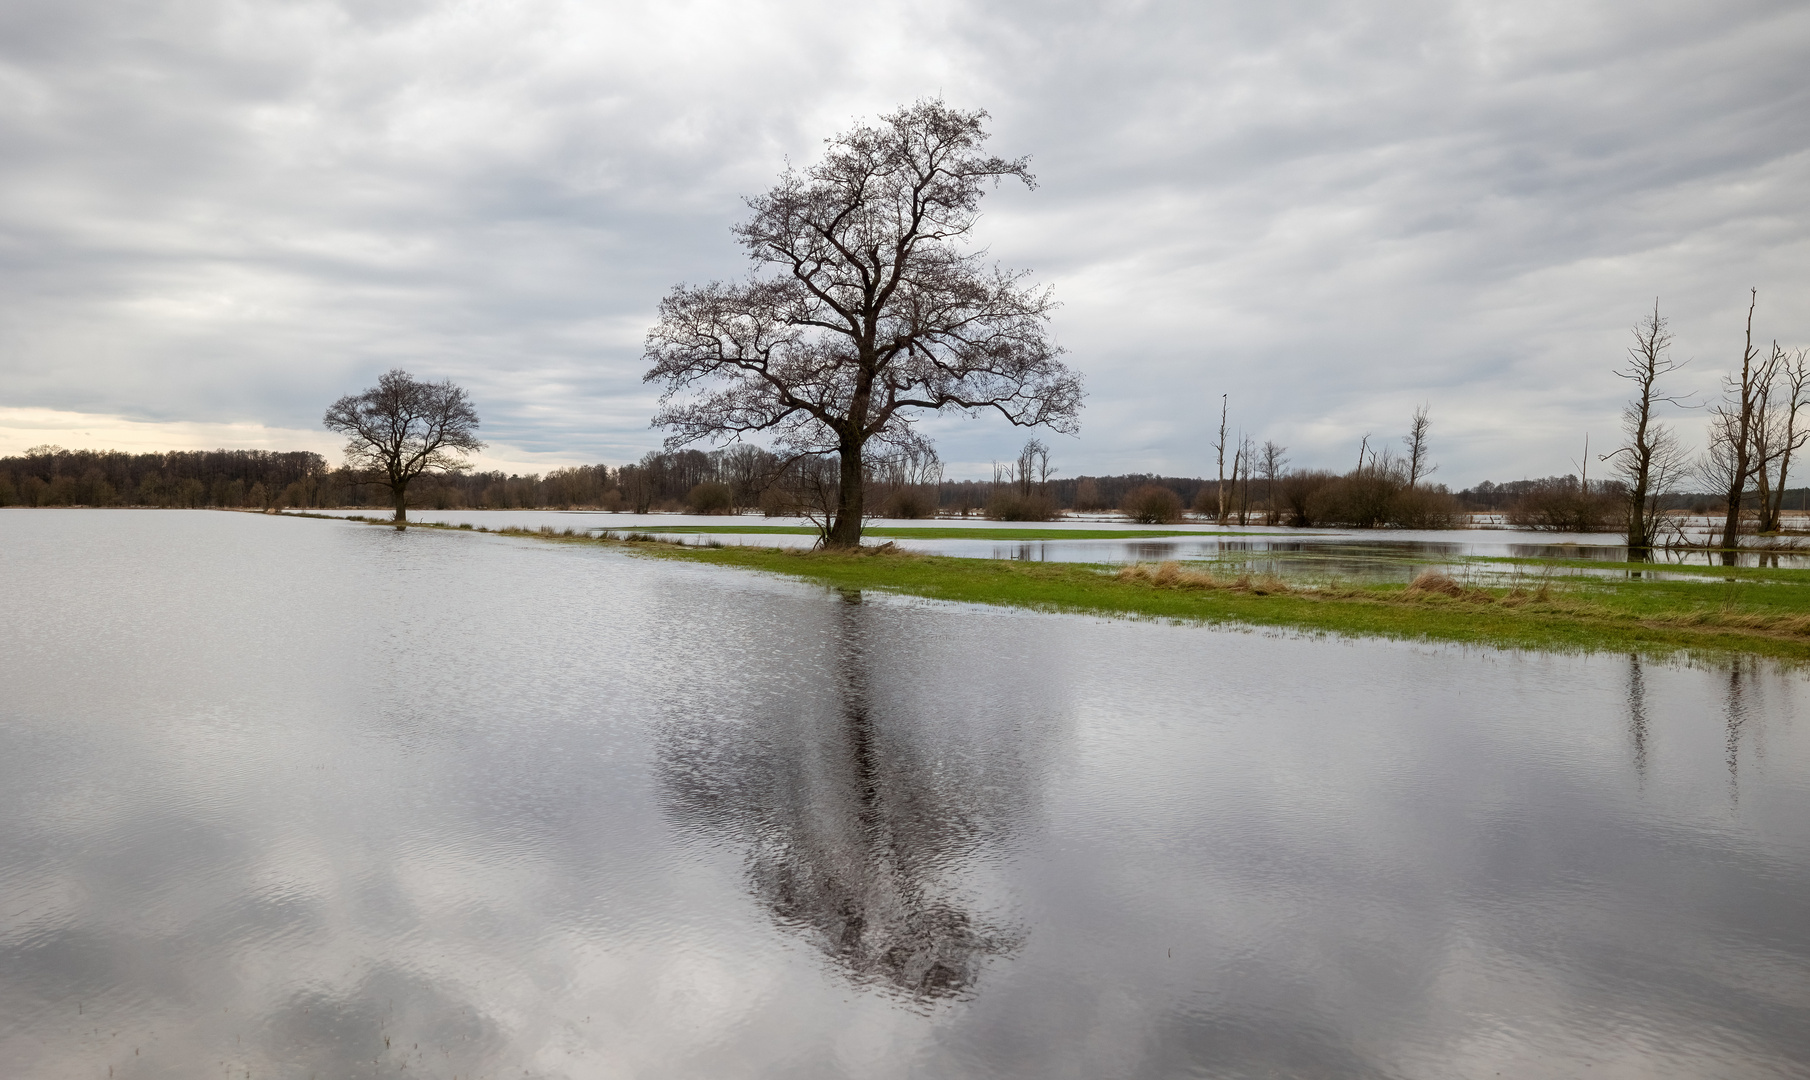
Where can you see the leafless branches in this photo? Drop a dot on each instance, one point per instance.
(402, 428)
(869, 312)
(1651, 460)
(1416, 441)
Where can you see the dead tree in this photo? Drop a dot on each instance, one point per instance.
(1650, 457)
(1732, 432)
(866, 309)
(1776, 434)
(1797, 382)
(1416, 440)
(1219, 448)
(402, 428)
(1273, 458)
(1033, 467)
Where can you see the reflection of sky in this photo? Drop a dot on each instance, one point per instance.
(273, 792)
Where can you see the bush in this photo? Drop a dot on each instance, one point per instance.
(1363, 499)
(1152, 504)
(909, 503)
(711, 497)
(1298, 497)
(776, 501)
(1425, 508)
(1007, 505)
(1563, 506)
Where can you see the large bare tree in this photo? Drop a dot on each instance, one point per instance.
(866, 309)
(1651, 458)
(404, 427)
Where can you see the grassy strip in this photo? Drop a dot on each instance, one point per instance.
(1762, 618)
(1628, 617)
(1738, 573)
(909, 532)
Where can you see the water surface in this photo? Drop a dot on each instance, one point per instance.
(300, 798)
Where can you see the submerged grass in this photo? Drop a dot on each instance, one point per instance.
(1740, 614)
(1646, 616)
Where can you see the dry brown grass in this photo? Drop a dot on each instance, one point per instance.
(1170, 575)
(1434, 587)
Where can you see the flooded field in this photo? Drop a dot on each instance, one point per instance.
(303, 798)
(1361, 555)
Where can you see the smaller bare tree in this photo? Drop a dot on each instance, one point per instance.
(1219, 488)
(1242, 467)
(403, 428)
(1416, 441)
(1651, 457)
(1730, 459)
(1777, 434)
(1033, 467)
(1274, 456)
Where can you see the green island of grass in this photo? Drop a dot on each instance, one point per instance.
(1762, 612)
(1575, 614)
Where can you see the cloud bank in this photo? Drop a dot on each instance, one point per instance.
(229, 213)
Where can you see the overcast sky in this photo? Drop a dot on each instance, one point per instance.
(217, 216)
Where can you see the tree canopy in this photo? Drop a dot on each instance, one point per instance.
(404, 427)
(866, 308)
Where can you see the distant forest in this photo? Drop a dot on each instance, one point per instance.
(739, 478)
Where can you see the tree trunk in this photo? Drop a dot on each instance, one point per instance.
(401, 491)
(845, 531)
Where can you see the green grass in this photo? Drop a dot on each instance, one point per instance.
(1743, 613)
(1737, 573)
(1588, 615)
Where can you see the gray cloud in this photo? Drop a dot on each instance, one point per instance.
(215, 211)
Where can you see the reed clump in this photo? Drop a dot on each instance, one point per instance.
(1430, 583)
(1171, 575)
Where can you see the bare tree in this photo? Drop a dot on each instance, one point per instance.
(1033, 466)
(1219, 448)
(1775, 432)
(1796, 373)
(1416, 440)
(1731, 459)
(1651, 457)
(871, 311)
(1242, 468)
(402, 428)
(1274, 456)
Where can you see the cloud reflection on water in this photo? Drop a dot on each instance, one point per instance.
(296, 796)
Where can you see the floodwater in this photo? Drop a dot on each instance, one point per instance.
(295, 798)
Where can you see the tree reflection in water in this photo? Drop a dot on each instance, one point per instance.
(865, 824)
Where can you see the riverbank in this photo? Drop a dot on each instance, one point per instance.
(1714, 610)
(1764, 618)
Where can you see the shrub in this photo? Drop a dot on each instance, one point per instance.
(1298, 496)
(909, 502)
(776, 501)
(1425, 508)
(1563, 506)
(1007, 505)
(711, 497)
(1152, 504)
